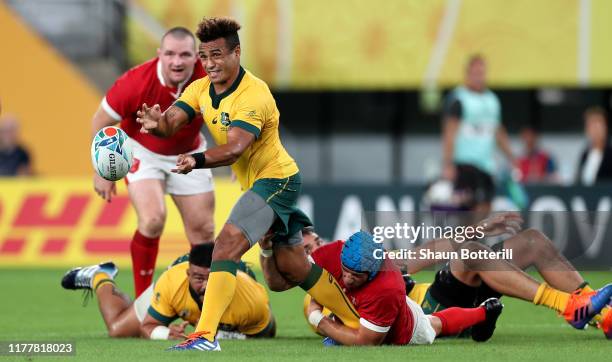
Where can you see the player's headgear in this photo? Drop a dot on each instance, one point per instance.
(358, 254)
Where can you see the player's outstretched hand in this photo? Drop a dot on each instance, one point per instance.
(177, 331)
(106, 189)
(509, 222)
(148, 117)
(184, 164)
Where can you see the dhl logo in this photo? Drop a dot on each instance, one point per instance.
(51, 222)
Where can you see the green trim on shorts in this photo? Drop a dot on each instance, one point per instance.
(224, 266)
(160, 317)
(313, 277)
(191, 113)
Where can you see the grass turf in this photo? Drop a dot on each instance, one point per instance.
(35, 308)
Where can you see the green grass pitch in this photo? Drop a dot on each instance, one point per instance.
(35, 308)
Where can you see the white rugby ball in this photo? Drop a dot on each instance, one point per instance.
(111, 153)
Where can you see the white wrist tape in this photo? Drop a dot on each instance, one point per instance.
(266, 253)
(160, 332)
(315, 317)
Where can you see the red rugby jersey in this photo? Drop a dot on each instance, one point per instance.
(381, 302)
(145, 84)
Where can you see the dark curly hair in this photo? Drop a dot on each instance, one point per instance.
(210, 29)
(201, 255)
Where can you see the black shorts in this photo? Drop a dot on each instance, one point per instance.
(477, 182)
(447, 291)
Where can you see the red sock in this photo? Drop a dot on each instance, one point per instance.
(455, 319)
(144, 253)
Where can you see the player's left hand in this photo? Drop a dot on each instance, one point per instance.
(177, 331)
(502, 223)
(184, 164)
(312, 306)
(148, 117)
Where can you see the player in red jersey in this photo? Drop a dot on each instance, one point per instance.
(376, 288)
(159, 81)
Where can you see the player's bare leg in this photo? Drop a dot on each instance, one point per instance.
(147, 196)
(116, 308)
(294, 266)
(197, 212)
(292, 263)
(506, 278)
(415, 265)
(117, 311)
(533, 248)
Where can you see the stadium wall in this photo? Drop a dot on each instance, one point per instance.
(52, 100)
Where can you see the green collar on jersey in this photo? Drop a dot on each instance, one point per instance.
(217, 98)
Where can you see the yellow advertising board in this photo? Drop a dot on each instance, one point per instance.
(404, 43)
(62, 223)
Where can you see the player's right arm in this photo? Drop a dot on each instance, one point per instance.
(176, 116)
(106, 189)
(161, 124)
(347, 336)
(156, 324)
(273, 277)
(151, 328)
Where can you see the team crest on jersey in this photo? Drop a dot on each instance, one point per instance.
(225, 119)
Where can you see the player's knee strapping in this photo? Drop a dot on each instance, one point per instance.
(324, 289)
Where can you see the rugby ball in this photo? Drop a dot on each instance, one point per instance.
(111, 153)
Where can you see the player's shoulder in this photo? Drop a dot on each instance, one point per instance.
(256, 87)
(200, 84)
(244, 278)
(253, 80)
(492, 95)
(388, 282)
(174, 276)
(331, 247)
(141, 71)
(328, 254)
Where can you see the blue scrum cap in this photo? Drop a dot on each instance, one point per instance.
(358, 254)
